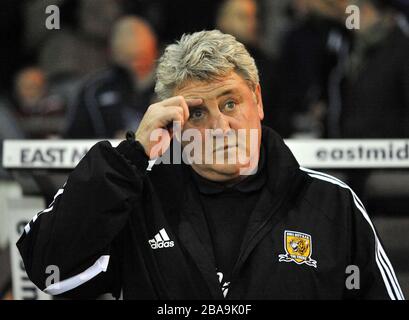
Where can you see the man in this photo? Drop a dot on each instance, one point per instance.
(376, 86)
(115, 99)
(376, 92)
(311, 61)
(207, 230)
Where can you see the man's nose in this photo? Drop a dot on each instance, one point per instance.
(221, 123)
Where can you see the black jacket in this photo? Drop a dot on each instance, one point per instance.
(115, 226)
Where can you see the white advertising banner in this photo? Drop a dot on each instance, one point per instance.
(371, 153)
(333, 154)
(45, 154)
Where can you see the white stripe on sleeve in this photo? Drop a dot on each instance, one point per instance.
(27, 228)
(99, 266)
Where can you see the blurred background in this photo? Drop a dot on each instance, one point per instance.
(93, 78)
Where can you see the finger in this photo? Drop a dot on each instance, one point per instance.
(194, 102)
(179, 101)
(173, 101)
(173, 113)
(175, 121)
(186, 113)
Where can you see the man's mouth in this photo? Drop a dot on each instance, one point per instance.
(225, 148)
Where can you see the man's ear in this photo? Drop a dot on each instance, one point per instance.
(259, 101)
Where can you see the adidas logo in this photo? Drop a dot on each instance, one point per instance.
(161, 240)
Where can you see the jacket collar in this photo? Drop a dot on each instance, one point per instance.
(249, 184)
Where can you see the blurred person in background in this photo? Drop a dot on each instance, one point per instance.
(276, 21)
(81, 45)
(77, 49)
(240, 18)
(30, 88)
(311, 63)
(377, 85)
(114, 100)
(9, 129)
(39, 113)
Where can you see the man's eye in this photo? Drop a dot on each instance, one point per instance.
(196, 114)
(229, 105)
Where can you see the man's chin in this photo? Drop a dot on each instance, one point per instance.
(219, 172)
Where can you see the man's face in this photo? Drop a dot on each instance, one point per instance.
(229, 104)
(30, 87)
(240, 19)
(139, 55)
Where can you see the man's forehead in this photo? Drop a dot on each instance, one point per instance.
(212, 89)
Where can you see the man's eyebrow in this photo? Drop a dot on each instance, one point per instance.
(226, 92)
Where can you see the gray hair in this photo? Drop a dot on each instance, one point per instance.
(203, 56)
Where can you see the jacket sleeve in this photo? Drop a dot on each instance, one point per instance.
(74, 240)
(375, 278)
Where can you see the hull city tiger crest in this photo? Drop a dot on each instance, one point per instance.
(298, 248)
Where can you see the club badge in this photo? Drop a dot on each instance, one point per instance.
(298, 248)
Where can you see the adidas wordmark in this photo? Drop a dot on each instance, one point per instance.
(161, 240)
